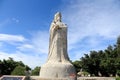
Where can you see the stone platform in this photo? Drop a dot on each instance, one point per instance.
(38, 78)
(96, 78)
(10, 77)
(79, 78)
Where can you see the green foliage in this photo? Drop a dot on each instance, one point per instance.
(7, 66)
(27, 68)
(36, 71)
(78, 65)
(118, 72)
(90, 63)
(19, 70)
(118, 46)
(85, 73)
(104, 62)
(118, 78)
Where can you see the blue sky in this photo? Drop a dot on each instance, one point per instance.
(24, 27)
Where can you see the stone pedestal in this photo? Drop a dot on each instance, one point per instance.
(58, 70)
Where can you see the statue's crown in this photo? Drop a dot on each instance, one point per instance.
(58, 14)
(57, 17)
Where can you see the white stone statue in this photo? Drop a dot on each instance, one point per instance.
(58, 41)
(58, 64)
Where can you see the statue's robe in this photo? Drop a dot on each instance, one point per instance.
(58, 43)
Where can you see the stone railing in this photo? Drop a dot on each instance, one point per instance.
(11, 77)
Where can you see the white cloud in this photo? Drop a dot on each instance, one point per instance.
(31, 60)
(40, 41)
(91, 23)
(11, 38)
(30, 51)
(15, 20)
(1, 44)
(92, 19)
(25, 47)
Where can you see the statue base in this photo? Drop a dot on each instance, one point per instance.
(58, 70)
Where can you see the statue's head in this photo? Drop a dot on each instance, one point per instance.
(57, 17)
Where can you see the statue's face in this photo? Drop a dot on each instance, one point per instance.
(57, 18)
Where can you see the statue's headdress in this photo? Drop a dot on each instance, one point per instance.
(57, 17)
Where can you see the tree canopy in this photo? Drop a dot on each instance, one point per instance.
(36, 71)
(8, 66)
(105, 62)
(19, 70)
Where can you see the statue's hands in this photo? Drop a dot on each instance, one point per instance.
(57, 26)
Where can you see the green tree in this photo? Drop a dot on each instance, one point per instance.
(7, 66)
(118, 46)
(107, 61)
(78, 65)
(107, 64)
(19, 70)
(36, 71)
(90, 63)
(118, 72)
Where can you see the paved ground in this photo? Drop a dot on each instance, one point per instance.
(96, 78)
(79, 78)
